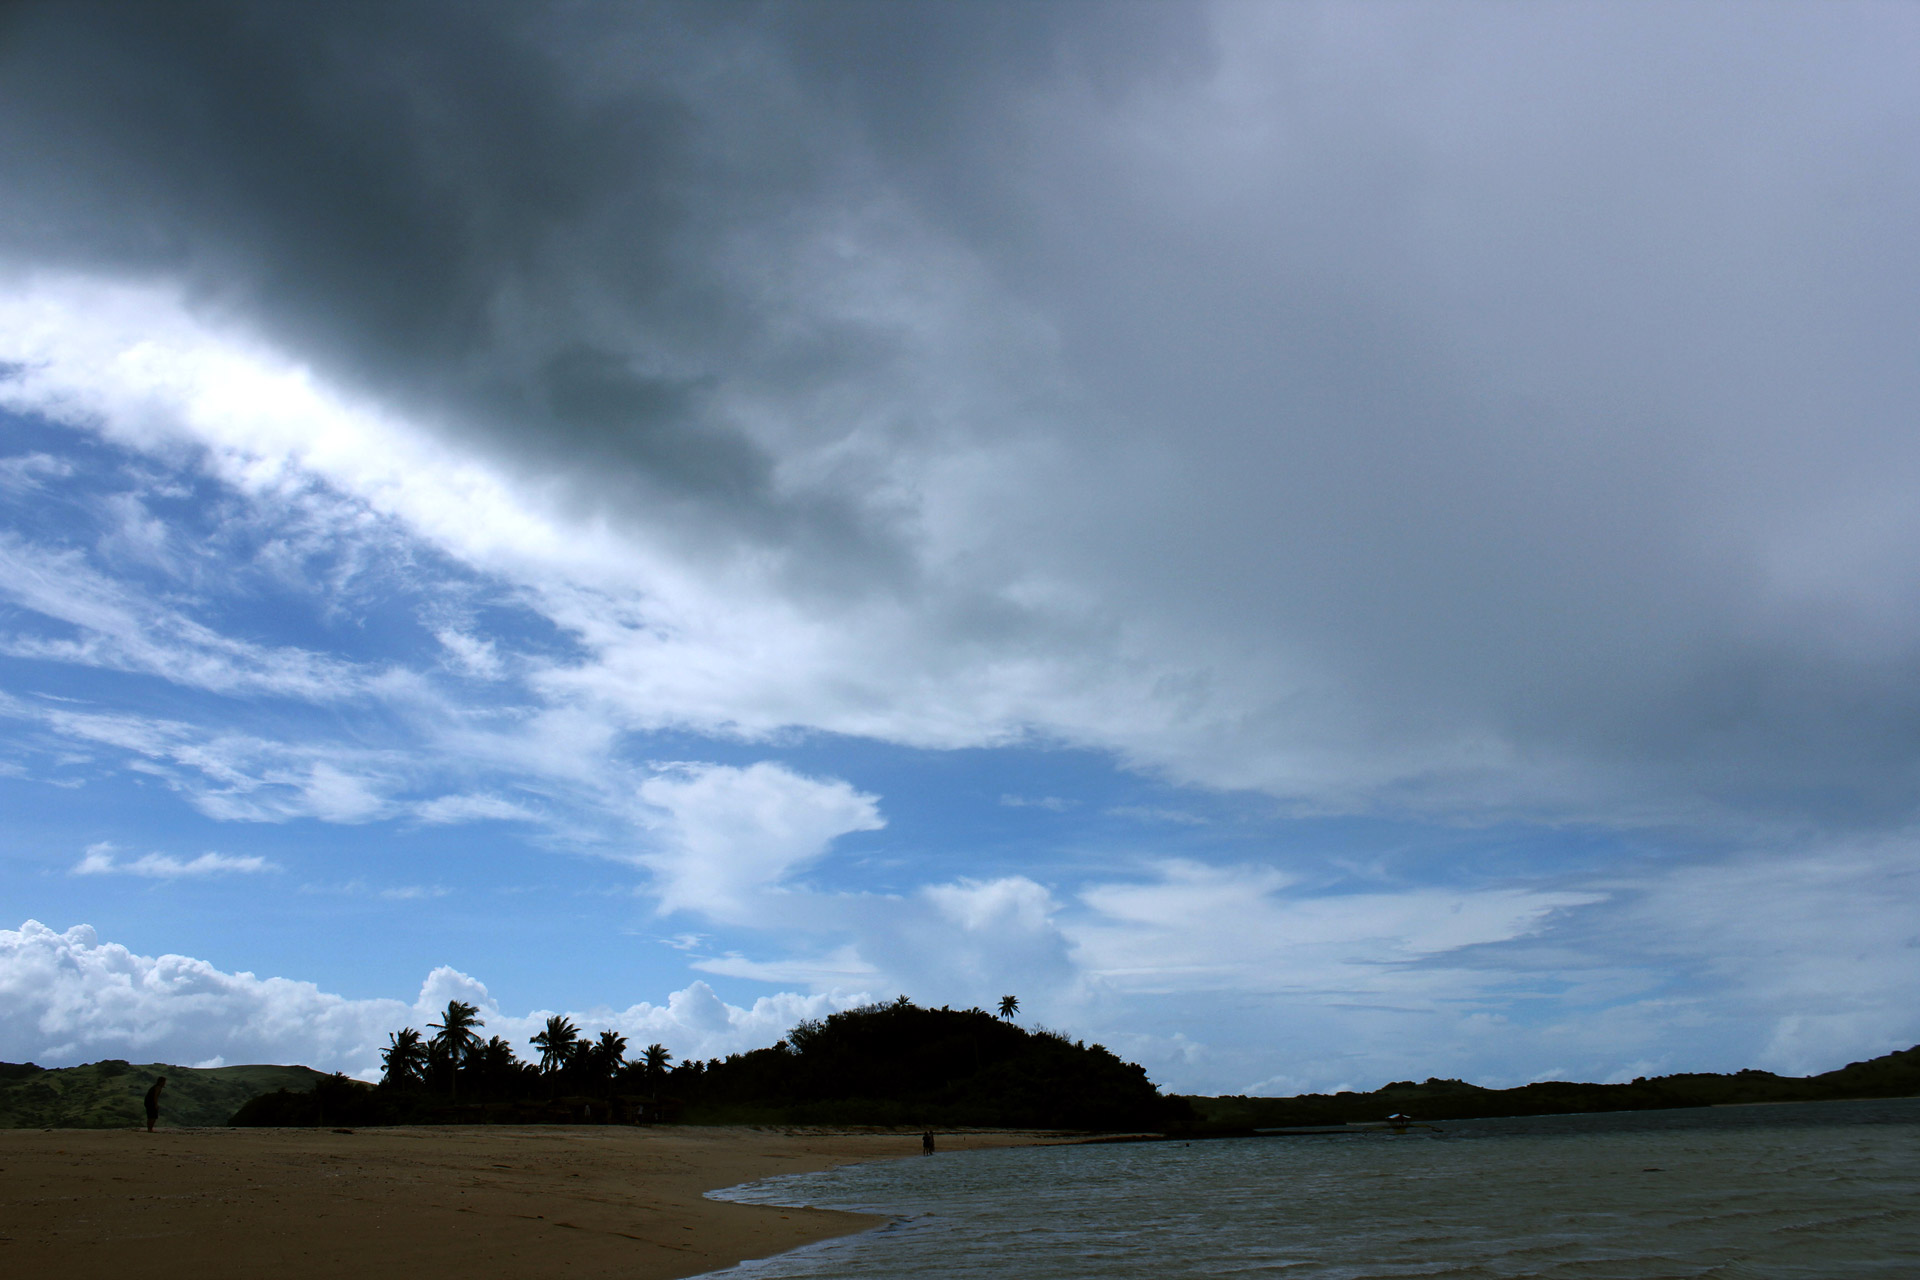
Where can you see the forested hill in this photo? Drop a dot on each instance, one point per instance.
(107, 1095)
(1895, 1075)
(884, 1064)
(901, 1064)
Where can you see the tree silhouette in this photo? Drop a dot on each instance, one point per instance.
(404, 1058)
(655, 1063)
(495, 1065)
(1009, 1005)
(609, 1054)
(556, 1043)
(457, 1035)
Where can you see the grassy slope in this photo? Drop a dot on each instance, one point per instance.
(107, 1095)
(1895, 1075)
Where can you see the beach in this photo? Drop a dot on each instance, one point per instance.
(495, 1201)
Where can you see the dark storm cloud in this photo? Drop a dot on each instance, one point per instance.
(507, 218)
(422, 196)
(1481, 405)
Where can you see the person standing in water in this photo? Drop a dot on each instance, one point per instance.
(153, 1102)
(926, 1143)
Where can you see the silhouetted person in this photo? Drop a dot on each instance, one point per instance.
(926, 1143)
(153, 1102)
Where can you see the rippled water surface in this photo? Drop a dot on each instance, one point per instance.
(1816, 1190)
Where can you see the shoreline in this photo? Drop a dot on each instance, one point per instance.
(502, 1201)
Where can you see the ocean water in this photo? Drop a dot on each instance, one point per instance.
(1817, 1190)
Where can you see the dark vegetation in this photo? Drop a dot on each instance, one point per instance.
(106, 1095)
(885, 1064)
(901, 1064)
(1896, 1075)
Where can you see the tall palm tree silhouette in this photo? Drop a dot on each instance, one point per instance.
(457, 1035)
(556, 1044)
(654, 1063)
(1009, 1005)
(404, 1058)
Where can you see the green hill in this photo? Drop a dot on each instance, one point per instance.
(107, 1095)
(1893, 1075)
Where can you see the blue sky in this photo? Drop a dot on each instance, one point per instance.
(1314, 545)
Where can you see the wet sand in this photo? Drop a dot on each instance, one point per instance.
(497, 1202)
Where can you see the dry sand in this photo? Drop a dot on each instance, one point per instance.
(488, 1202)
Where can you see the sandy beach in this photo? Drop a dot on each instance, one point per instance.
(498, 1202)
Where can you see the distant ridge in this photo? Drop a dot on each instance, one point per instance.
(1893, 1075)
(107, 1095)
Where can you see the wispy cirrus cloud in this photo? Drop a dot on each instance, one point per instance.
(101, 860)
(118, 627)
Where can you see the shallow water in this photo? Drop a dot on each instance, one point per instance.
(1815, 1190)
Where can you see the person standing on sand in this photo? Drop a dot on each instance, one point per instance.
(153, 1102)
(926, 1143)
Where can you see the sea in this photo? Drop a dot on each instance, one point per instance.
(1817, 1190)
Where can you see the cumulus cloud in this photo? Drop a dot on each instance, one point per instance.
(729, 832)
(69, 997)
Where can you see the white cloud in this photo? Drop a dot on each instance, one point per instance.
(69, 997)
(1814, 951)
(1009, 903)
(1054, 803)
(840, 968)
(473, 655)
(414, 892)
(239, 777)
(728, 833)
(1197, 926)
(472, 808)
(25, 472)
(121, 629)
(99, 860)
(1151, 813)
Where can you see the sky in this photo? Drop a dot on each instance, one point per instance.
(1312, 544)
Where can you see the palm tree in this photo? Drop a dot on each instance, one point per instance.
(494, 1063)
(556, 1043)
(1009, 1005)
(654, 1063)
(610, 1052)
(457, 1035)
(404, 1057)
